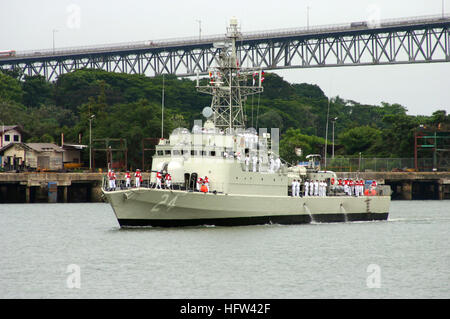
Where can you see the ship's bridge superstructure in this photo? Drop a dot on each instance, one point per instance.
(236, 161)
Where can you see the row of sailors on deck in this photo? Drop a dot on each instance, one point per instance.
(311, 188)
(274, 164)
(254, 163)
(351, 187)
(112, 178)
(319, 188)
(202, 183)
(138, 179)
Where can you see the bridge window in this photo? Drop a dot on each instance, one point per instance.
(160, 153)
(176, 152)
(167, 152)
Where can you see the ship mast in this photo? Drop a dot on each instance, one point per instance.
(225, 84)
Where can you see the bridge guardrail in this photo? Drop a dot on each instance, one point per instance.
(173, 42)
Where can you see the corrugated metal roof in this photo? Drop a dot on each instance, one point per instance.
(45, 147)
(74, 146)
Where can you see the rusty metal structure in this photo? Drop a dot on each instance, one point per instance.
(111, 146)
(434, 142)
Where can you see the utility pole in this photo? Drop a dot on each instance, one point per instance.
(3, 133)
(326, 134)
(359, 162)
(333, 121)
(162, 110)
(90, 141)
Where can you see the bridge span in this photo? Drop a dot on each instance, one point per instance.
(424, 39)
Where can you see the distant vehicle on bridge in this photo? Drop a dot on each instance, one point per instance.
(358, 24)
(7, 53)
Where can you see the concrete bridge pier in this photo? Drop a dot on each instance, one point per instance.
(65, 192)
(407, 191)
(27, 194)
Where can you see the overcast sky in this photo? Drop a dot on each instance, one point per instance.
(422, 89)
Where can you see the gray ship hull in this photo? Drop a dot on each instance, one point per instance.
(165, 208)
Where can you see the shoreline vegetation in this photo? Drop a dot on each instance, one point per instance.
(129, 106)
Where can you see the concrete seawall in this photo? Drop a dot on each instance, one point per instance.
(86, 187)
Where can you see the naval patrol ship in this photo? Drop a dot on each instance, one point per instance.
(248, 183)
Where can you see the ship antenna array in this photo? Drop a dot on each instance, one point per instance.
(228, 83)
(162, 108)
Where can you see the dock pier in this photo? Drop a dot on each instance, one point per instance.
(50, 187)
(409, 185)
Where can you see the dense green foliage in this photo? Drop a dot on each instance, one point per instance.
(129, 106)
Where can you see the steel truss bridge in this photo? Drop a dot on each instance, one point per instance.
(423, 39)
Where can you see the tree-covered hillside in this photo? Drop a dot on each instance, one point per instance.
(129, 106)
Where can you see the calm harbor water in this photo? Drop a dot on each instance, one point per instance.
(47, 249)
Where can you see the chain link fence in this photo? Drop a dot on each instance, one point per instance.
(342, 164)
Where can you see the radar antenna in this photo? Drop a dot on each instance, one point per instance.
(225, 83)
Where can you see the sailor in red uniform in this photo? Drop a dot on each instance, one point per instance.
(138, 177)
(127, 179)
(199, 183)
(374, 185)
(361, 190)
(340, 186)
(168, 180)
(110, 179)
(357, 187)
(158, 180)
(114, 179)
(206, 182)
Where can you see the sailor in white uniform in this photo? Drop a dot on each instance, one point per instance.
(324, 189)
(297, 190)
(320, 188)
(346, 187)
(316, 188)
(306, 188)
(311, 188)
(294, 188)
(277, 164)
(247, 162)
(254, 163)
(272, 165)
